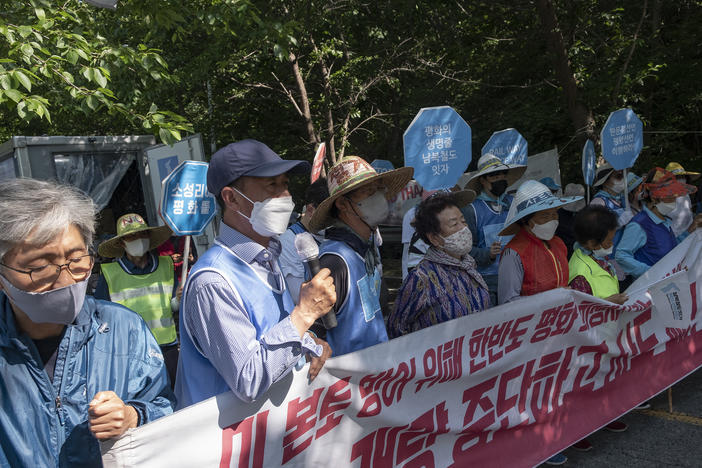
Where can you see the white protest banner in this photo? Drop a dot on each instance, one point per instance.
(506, 387)
(672, 300)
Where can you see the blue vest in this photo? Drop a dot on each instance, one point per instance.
(488, 225)
(360, 321)
(616, 207)
(659, 239)
(197, 379)
(297, 228)
(612, 205)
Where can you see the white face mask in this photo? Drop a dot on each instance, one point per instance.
(618, 186)
(61, 305)
(137, 247)
(459, 243)
(545, 231)
(665, 208)
(374, 209)
(271, 216)
(602, 253)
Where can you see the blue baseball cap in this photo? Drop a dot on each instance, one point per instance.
(248, 158)
(550, 183)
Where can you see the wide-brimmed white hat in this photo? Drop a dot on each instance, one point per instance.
(488, 164)
(532, 196)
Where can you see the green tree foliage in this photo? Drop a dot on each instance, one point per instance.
(353, 74)
(58, 62)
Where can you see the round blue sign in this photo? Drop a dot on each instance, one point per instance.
(622, 139)
(437, 146)
(186, 205)
(589, 162)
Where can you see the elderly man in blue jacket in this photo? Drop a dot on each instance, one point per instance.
(73, 369)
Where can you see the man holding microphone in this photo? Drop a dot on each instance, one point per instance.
(240, 329)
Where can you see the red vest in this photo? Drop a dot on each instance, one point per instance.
(545, 268)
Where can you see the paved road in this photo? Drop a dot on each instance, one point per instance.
(656, 437)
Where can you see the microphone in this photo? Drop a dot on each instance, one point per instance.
(308, 250)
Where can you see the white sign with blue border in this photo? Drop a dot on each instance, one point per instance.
(437, 145)
(622, 139)
(589, 162)
(186, 205)
(509, 145)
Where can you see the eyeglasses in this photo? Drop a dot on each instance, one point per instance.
(78, 267)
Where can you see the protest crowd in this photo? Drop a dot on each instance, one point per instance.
(81, 365)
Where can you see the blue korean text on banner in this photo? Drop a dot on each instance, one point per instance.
(509, 145)
(589, 163)
(186, 205)
(622, 139)
(437, 145)
(382, 165)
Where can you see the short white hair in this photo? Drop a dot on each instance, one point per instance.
(37, 211)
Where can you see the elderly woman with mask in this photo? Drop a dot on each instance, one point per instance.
(445, 285)
(535, 260)
(73, 369)
(649, 235)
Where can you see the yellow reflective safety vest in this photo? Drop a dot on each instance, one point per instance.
(148, 295)
(603, 284)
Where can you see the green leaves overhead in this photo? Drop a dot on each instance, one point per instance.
(352, 73)
(61, 52)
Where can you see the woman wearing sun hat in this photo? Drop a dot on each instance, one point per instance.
(682, 214)
(487, 214)
(142, 281)
(357, 204)
(535, 260)
(649, 236)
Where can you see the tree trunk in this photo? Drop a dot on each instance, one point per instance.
(580, 113)
(330, 115)
(312, 136)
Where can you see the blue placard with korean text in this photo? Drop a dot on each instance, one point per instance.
(382, 165)
(186, 205)
(589, 162)
(437, 145)
(622, 139)
(509, 145)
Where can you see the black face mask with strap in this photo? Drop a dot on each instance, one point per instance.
(498, 187)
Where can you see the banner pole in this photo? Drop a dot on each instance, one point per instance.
(186, 256)
(626, 192)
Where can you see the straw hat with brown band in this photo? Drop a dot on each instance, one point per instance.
(349, 174)
(131, 224)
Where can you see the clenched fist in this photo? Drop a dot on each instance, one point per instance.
(317, 297)
(109, 416)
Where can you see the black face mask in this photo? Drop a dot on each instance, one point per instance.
(498, 187)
